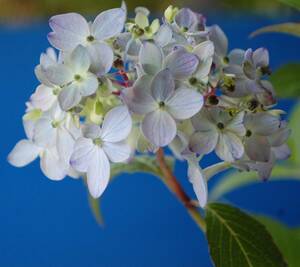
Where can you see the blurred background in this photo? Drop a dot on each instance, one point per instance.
(43, 223)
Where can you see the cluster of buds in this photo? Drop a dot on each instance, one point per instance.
(120, 87)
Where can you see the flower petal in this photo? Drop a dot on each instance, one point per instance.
(52, 166)
(44, 134)
(23, 153)
(164, 35)
(43, 98)
(59, 74)
(65, 145)
(89, 85)
(139, 98)
(117, 152)
(258, 148)
(181, 63)
(162, 86)
(84, 150)
(69, 97)
(204, 50)
(151, 58)
(218, 37)
(159, 128)
(91, 131)
(262, 123)
(108, 23)
(185, 103)
(117, 125)
(199, 182)
(203, 142)
(236, 124)
(79, 60)
(98, 173)
(102, 58)
(69, 30)
(229, 147)
(201, 121)
(261, 57)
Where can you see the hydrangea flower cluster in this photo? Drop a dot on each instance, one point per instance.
(122, 87)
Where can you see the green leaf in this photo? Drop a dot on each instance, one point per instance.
(292, 3)
(294, 140)
(287, 28)
(286, 80)
(287, 239)
(95, 208)
(238, 240)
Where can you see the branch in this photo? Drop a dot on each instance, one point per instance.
(171, 182)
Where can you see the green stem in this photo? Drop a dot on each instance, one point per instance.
(171, 182)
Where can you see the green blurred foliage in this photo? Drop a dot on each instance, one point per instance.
(18, 11)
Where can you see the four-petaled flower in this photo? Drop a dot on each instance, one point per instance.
(98, 145)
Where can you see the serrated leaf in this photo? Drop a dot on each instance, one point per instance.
(292, 3)
(286, 80)
(238, 240)
(287, 28)
(287, 239)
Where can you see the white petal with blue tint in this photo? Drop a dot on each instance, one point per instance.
(159, 128)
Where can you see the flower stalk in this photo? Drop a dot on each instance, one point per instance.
(172, 183)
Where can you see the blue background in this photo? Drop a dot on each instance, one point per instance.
(45, 223)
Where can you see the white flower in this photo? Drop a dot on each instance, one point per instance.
(162, 105)
(99, 145)
(71, 29)
(74, 77)
(56, 129)
(27, 150)
(217, 130)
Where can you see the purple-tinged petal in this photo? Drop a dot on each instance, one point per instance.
(159, 128)
(117, 152)
(162, 86)
(109, 23)
(102, 58)
(98, 173)
(151, 58)
(181, 63)
(69, 30)
(184, 104)
(117, 125)
(261, 57)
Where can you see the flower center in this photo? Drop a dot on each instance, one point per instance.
(213, 100)
(98, 142)
(220, 125)
(161, 104)
(90, 38)
(193, 80)
(77, 77)
(55, 124)
(248, 133)
(252, 104)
